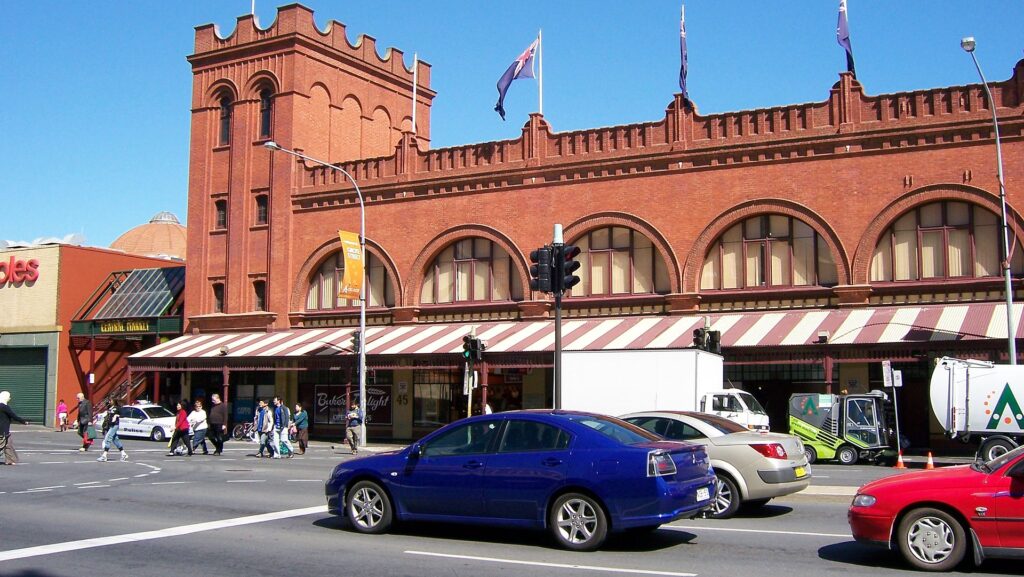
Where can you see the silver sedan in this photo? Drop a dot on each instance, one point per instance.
(752, 467)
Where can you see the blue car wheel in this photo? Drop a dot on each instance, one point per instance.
(368, 508)
(578, 522)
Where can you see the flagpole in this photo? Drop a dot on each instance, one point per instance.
(415, 76)
(540, 72)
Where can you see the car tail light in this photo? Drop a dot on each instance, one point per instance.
(771, 450)
(660, 464)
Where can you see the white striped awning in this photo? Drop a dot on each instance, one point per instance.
(880, 325)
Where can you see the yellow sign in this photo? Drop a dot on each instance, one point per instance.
(124, 327)
(352, 281)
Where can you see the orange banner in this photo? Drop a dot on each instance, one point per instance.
(352, 281)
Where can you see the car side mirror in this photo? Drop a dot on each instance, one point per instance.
(415, 451)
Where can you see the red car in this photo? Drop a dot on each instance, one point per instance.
(935, 517)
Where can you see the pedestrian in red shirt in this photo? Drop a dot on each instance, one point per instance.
(180, 430)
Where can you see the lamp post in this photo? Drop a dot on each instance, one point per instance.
(362, 285)
(968, 45)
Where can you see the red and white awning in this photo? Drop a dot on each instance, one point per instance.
(903, 324)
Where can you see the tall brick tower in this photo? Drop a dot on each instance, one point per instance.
(305, 89)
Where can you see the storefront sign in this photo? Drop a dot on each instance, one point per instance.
(120, 326)
(329, 404)
(17, 271)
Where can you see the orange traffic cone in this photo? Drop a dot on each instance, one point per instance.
(899, 461)
(930, 464)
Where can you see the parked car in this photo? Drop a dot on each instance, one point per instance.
(933, 518)
(579, 475)
(144, 420)
(752, 467)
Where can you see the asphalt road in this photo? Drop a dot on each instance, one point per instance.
(64, 514)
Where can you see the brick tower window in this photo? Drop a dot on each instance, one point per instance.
(261, 209)
(218, 297)
(472, 269)
(220, 219)
(259, 289)
(770, 250)
(942, 240)
(266, 113)
(225, 120)
(616, 260)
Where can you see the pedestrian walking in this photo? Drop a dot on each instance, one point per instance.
(353, 420)
(62, 416)
(198, 424)
(180, 429)
(111, 422)
(8, 456)
(264, 422)
(301, 425)
(282, 422)
(218, 419)
(84, 419)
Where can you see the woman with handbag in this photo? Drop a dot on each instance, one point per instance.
(181, 427)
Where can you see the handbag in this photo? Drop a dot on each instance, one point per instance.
(91, 432)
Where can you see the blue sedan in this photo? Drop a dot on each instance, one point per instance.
(579, 475)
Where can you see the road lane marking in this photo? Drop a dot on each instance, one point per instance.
(52, 463)
(33, 491)
(93, 486)
(693, 528)
(51, 487)
(86, 483)
(118, 479)
(551, 565)
(828, 490)
(158, 534)
(141, 475)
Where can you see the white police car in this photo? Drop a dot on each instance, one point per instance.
(147, 421)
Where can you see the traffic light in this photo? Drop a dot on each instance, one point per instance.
(540, 270)
(565, 265)
(715, 342)
(478, 350)
(357, 342)
(467, 347)
(700, 338)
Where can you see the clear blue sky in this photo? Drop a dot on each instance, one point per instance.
(96, 94)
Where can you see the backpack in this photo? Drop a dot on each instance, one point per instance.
(108, 420)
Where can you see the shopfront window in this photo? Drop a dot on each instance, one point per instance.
(434, 396)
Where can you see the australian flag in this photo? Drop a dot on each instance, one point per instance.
(843, 37)
(522, 67)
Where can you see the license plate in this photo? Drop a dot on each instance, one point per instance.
(703, 494)
(799, 472)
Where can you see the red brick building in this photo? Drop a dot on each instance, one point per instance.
(820, 238)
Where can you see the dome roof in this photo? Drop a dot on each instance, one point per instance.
(162, 236)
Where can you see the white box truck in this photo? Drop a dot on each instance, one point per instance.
(979, 402)
(629, 381)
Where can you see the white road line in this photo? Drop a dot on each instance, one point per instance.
(692, 528)
(141, 475)
(51, 487)
(93, 486)
(118, 479)
(552, 565)
(52, 462)
(86, 483)
(247, 481)
(33, 491)
(158, 534)
(170, 483)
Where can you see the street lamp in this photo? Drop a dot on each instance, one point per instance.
(362, 285)
(968, 45)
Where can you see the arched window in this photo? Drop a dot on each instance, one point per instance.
(472, 269)
(946, 239)
(266, 112)
(225, 120)
(617, 260)
(768, 250)
(324, 285)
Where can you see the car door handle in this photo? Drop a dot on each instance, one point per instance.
(551, 462)
(472, 465)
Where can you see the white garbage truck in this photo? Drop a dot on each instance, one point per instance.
(629, 381)
(980, 402)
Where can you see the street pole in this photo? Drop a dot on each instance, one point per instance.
(968, 45)
(557, 282)
(362, 284)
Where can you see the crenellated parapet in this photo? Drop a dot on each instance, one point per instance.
(848, 122)
(295, 21)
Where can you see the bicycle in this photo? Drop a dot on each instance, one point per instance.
(244, 431)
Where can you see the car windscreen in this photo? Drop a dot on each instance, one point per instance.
(621, 431)
(721, 424)
(157, 412)
(752, 404)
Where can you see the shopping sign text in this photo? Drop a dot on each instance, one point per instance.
(17, 271)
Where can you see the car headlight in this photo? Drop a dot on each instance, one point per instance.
(864, 501)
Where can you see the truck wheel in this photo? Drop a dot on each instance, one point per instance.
(811, 454)
(995, 448)
(932, 540)
(158, 435)
(847, 455)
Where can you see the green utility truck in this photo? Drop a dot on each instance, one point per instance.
(847, 428)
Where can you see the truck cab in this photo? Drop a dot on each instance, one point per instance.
(738, 406)
(847, 428)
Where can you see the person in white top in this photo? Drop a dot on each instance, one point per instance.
(197, 420)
